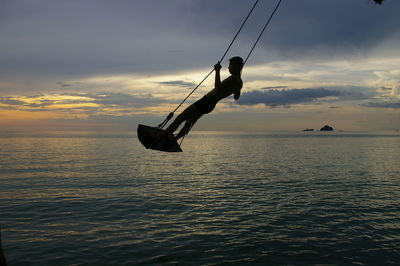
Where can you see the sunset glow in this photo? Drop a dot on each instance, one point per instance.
(335, 79)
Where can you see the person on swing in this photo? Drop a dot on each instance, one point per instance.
(231, 85)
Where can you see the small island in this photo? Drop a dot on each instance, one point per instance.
(326, 128)
(308, 129)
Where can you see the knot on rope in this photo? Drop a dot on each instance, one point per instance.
(170, 115)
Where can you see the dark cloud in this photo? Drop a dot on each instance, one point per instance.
(66, 85)
(392, 105)
(63, 85)
(96, 37)
(180, 83)
(10, 101)
(325, 28)
(274, 88)
(286, 98)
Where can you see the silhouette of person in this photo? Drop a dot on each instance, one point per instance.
(3, 261)
(231, 85)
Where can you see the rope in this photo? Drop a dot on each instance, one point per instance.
(183, 137)
(226, 51)
(240, 29)
(170, 115)
(261, 33)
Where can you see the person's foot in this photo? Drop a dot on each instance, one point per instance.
(172, 137)
(169, 136)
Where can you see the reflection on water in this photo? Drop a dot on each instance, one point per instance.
(232, 198)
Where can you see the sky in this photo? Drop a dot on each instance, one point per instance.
(104, 65)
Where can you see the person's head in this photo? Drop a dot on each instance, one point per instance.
(235, 65)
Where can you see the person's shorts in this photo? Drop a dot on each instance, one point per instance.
(204, 105)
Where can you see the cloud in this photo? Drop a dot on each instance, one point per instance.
(66, 85)
(146, 36)
(81, 102)
(125, 99)
(274, 87)
(391, 105)
(10, 101)
(340, 27)
(41, 103)
(178, 83)
(288, 97)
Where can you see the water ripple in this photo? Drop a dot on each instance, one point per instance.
(234, 199)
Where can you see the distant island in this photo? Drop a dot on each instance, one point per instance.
(326, 128)
(308, 129)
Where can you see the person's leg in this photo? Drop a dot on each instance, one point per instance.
(187, 114)
(188, 126)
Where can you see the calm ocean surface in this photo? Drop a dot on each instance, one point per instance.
(234, 199)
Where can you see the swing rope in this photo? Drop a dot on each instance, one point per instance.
(262, 31)
(247, 58)
(170, 115)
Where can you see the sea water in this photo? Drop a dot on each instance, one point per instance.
(229, 198)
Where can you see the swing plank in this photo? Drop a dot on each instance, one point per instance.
(154, 138)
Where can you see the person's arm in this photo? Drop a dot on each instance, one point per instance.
(238, 84)
(217, 82)
(236, 94)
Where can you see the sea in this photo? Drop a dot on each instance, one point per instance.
(230, 198)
